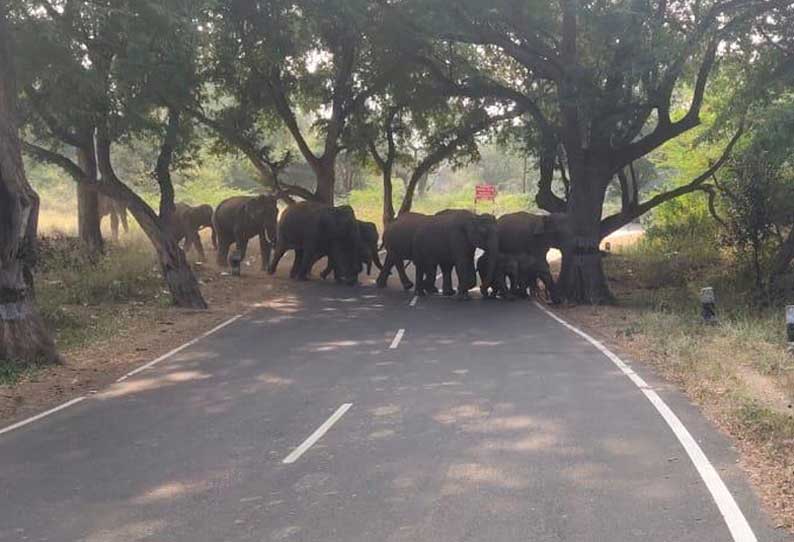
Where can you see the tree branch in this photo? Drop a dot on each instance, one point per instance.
(60, 132)
(617, 221)
(284, 110)
(42, 154)
(444, 151)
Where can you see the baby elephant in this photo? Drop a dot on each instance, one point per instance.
(506, 269)
(532, 268)
(190, 221)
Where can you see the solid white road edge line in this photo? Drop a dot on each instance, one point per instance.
(317, 435)
(413, 301)
(41, 415)
(165, 356)
(734, 518)
(179, 348)
(397, 338)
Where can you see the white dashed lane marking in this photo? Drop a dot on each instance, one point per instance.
(317, 435)
(397, 338)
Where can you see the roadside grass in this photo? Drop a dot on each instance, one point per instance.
(83, 301)
(739, 370)
(11, 373)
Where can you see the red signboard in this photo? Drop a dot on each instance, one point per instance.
(484, 192)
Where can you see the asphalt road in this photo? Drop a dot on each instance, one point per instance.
(481, 421)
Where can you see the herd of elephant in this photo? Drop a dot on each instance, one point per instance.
(513, 258)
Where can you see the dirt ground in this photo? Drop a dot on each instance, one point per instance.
(147, 333)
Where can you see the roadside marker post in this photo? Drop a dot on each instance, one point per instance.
(708, 302)
(790, 327)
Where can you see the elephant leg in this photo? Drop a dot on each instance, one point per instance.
(551, 288)
(223, 251)
(328, 268)
(279, 253)
(421, 279)
(242, 246)
(306, 261)
(214, 237)
(296, 263)
(501, 286)
(446, 274)
(383, 276)
(376, 259)
(114, 225)
(196, 240)
(429, 278)
(466, 276)
(406, 282)
(265, 250)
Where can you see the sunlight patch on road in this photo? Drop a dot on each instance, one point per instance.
(168, 491)
(137, 385)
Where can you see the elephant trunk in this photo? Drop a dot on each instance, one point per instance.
(492, 249)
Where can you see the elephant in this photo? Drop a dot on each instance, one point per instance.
(528, 237)
(398, 238)
(117, 211)
(449, 239)
(238, 219)
(506, 268)
(532, 268)
(527, 232)
(368, 250)
(189, 222)
(314, 230)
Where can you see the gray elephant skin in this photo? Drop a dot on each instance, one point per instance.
(189, 221)
(448, 239)
(240, 218)
(314, 230)
(528, 237)
(506, 268)
(368, 250)
(398, 240)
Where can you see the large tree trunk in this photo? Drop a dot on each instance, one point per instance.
(178, 275)
(388, 198)
(88, 219)
(23, 335)
(325, 170)
(582, 278)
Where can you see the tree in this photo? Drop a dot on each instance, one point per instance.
(757, 195)
(273, 59)
(600, 82)
(433, 127)
(109, 71)
(23, 335)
